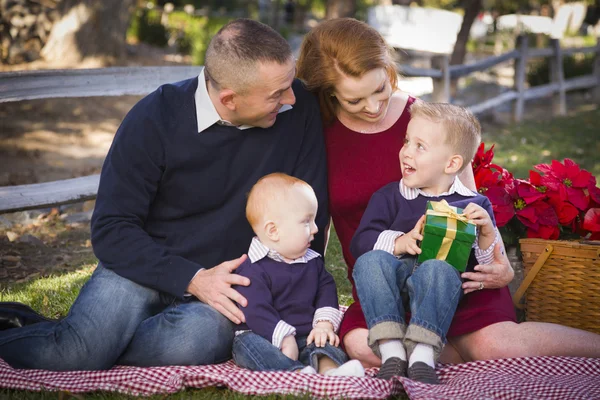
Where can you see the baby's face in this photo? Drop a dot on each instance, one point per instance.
(296, 224)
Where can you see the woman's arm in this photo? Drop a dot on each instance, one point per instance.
(495, 275)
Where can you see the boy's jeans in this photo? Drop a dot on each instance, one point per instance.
(115, 320)
(386, 285)
(258, 354)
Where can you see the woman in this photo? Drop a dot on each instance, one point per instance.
(348, 65)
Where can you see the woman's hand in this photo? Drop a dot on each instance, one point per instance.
(490, 276)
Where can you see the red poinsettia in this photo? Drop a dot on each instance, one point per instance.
(558, 198)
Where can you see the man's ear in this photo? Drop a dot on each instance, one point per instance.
(271, 231)
(227, 97)
(454, 164)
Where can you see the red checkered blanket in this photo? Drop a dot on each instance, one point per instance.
(517, 378)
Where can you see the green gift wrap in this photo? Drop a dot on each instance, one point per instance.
(447, 235)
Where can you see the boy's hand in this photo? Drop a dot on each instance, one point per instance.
(481, 218)
(322, 332)
(407, 243)
(289, 347)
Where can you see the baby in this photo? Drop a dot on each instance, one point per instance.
(292, 314)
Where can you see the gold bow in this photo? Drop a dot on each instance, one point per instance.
(443, 209)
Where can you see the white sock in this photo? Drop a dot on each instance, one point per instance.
(391, 348)
(424, 353)
(308, 370)
(351, 368)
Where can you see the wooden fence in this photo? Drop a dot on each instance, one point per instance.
(28, 85)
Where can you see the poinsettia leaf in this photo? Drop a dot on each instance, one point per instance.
(580, 179)
(577, 197)
(591, 220)
(543, 168)
(594, 192)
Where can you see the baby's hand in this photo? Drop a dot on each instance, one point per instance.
(322, 332)
(481, 218)
(407, 243)
(289, 347)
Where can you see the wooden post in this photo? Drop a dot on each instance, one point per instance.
(441, 86)
(519, 80)
(596, 90)
(557, 75)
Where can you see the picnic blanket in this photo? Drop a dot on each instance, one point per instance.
(516, 378)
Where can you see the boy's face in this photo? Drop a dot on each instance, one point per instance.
(424, 156)
(296, 222)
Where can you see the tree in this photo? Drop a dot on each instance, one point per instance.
(340, 8)
(472, 9)
(89, 28)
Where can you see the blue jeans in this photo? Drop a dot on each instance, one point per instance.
(258, 354)
(116, 321)
(388, 287)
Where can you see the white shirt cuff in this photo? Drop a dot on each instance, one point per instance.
(486, 256)
(282, 329)
(385, 241)
(328, 314)
(186, 294)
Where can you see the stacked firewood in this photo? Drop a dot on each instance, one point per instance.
(24, 28)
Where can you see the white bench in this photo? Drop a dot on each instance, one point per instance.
(28, 85)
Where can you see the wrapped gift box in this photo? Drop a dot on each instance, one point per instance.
(447, 235)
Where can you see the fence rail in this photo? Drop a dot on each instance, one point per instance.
(29, 85)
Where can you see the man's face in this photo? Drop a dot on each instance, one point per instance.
(261, 102)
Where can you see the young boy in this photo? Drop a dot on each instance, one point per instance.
(292, 313)
(441, 140)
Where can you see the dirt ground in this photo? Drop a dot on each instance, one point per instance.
(51, 139)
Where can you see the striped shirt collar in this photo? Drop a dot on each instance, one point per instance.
(258, 251)
(457, 187)
(206, 113)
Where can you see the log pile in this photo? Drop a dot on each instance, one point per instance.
(24, 28)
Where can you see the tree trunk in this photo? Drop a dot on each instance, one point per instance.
(89, 28)
(472, 9)
(340, 8)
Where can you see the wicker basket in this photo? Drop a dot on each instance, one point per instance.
(562, 280)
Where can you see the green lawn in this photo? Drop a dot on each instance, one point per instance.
(518, 148)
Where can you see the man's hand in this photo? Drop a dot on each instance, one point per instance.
(213, 287)
(407, 243)
(493, 276)
(289, 347)
(322, 332)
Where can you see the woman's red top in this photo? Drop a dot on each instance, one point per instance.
(358, 165)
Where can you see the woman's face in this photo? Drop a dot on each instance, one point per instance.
(365, 98)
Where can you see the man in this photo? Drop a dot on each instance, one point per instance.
(169, 228)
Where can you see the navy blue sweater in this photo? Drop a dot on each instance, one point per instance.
(289, 292)
(172, 200)
(389, 210)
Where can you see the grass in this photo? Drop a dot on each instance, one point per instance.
(518, 148)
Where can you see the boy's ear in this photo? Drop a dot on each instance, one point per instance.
(454, 164)
(271, 231)
(227, 98)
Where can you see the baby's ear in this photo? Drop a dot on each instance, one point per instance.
(454, 164)
(271, 231)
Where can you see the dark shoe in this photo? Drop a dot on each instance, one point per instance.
(422, 372)
(16, 315)
(393, 366)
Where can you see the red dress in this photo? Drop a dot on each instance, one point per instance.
(358, 165)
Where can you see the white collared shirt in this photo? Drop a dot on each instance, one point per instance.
(206, 113)
(258, 251)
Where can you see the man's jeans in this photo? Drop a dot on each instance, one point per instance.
(258, 354)
(388, 287)
(116, 321)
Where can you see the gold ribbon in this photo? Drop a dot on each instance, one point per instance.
(443, 209)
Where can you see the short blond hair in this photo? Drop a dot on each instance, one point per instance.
(463, 131)
(269, 190)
